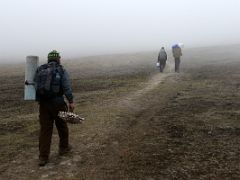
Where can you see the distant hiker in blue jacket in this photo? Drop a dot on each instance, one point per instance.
(177, 53)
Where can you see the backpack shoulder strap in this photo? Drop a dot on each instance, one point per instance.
(60, 69)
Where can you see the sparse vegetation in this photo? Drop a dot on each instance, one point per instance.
(184, 127)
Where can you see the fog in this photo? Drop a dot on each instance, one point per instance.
(90, 27)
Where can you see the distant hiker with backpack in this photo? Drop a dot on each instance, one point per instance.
(162, 58)
(52, 82)
(177, 53)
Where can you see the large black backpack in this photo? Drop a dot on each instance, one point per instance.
(49, 81)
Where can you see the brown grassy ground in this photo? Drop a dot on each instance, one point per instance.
(140, 125)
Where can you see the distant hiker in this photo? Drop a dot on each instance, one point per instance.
(177, 53)
(52, 82)
(162, 58)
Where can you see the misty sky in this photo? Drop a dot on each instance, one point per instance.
(89, 27)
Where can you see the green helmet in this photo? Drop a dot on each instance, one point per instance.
(54, 55)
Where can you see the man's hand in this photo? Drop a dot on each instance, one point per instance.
(71, 107)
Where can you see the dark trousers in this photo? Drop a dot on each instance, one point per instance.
(162, 65)
(177, 64)
(48, 112)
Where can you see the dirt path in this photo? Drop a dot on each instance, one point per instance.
(154, 81)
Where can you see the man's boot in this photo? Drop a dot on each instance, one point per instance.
(64, 151)
(42, 162)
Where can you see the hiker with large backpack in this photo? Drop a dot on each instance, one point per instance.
(52, 83)
(177, 53)
(162, 58)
